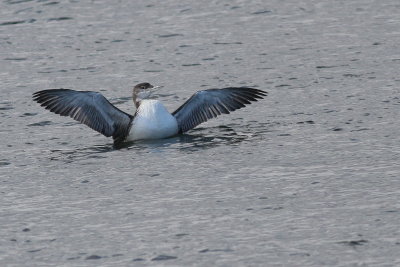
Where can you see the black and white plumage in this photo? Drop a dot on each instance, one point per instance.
(151, 120)
(208, 104)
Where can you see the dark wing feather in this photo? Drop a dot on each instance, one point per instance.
(90, 108)
(208, 104)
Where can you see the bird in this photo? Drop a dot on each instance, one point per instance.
(151, 119)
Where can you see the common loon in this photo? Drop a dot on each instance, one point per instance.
(151, 119)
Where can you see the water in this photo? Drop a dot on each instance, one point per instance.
(307, 177)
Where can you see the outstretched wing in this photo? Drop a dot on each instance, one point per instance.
(208, 104)
(90, 108)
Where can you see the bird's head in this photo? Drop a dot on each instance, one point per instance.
(143, 91)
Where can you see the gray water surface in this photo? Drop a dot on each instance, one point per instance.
(308, 176)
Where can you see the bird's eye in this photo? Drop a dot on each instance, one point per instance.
(142, 87)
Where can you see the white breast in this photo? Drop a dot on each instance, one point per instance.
(152, 121)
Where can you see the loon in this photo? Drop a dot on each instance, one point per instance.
(151, 119)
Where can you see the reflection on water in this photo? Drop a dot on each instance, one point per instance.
(197, 139)
(71, 155)
(202, 138)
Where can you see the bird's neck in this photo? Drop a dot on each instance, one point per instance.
(136, 101)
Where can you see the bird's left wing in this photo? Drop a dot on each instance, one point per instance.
(207, 104)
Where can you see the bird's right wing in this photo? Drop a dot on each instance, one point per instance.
(90, 108)
(207, 104)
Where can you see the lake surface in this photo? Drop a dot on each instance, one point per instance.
(309, 176)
